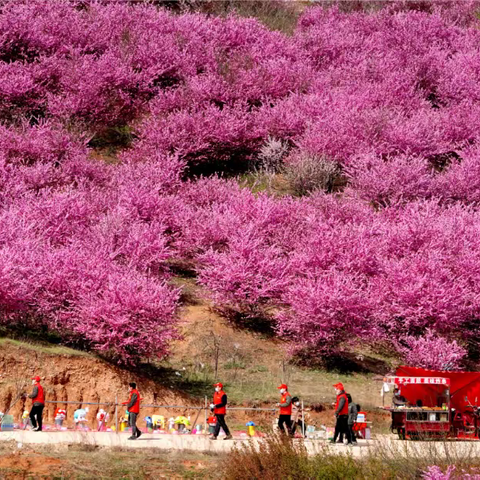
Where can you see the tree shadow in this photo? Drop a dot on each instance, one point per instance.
(172, 378)
(341, 362)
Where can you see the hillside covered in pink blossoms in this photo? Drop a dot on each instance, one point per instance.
(373, 115)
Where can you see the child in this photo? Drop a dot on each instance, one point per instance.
(352, 417)
(297, 417)
(212, 423)
(26, 419)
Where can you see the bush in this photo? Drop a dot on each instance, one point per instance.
(271, 155)
(308, 173)
(279, 457)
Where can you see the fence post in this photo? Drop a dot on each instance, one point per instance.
(303, 422)
(116, 413)
(206, 413)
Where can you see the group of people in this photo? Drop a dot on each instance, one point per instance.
(346, 413)
(38, 405)
(291, 414)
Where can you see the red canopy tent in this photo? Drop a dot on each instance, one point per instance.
(462, 384)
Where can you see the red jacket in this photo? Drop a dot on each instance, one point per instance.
(344, 410)
(135, 408)
(288, 409)
(217, 400)
(40, 398)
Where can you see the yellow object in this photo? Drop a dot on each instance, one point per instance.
(123, 425)
(159, 421)
(182, 420)
(251, 431)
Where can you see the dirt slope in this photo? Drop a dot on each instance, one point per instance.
(250, 364)
(70, 376)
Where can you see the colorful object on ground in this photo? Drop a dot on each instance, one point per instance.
(6, 422)
(80, 417)
(158, 422)
(182, 420)
(102, 419)
(59, 416)
(149, 423)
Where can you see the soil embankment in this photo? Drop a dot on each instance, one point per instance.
(71, 376)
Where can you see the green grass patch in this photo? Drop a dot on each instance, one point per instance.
(45, 348)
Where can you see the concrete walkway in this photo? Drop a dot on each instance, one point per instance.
(199, 443)
(382, 445)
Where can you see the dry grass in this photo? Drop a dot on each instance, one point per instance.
(280, 457)
(75, 462)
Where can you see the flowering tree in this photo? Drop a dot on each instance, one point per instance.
(434, 353)
(386, 99)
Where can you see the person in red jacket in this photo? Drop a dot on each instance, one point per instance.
(341, 414)
(38, 404)
(133, 407)
(285, 404)
(219, 407)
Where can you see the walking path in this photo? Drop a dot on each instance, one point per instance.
(200, 443)
(384, 445)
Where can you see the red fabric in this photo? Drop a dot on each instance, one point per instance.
(59, 411)
(359, 426)
(344, 410)
(217, 398)
(282, 386)
(462, 384)
(40, 398)
(285, 410)
(212, 420)
(136, 405)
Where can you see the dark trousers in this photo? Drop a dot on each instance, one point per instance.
(352, 434)
(301, 425)
(36, 416)
(220, 424)
(341, 427)
(132, 421)
(284, 423)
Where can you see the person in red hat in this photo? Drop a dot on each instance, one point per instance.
(133, 407)
(341, 414)
(285, 404)
(38, 404)
(219, 407)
